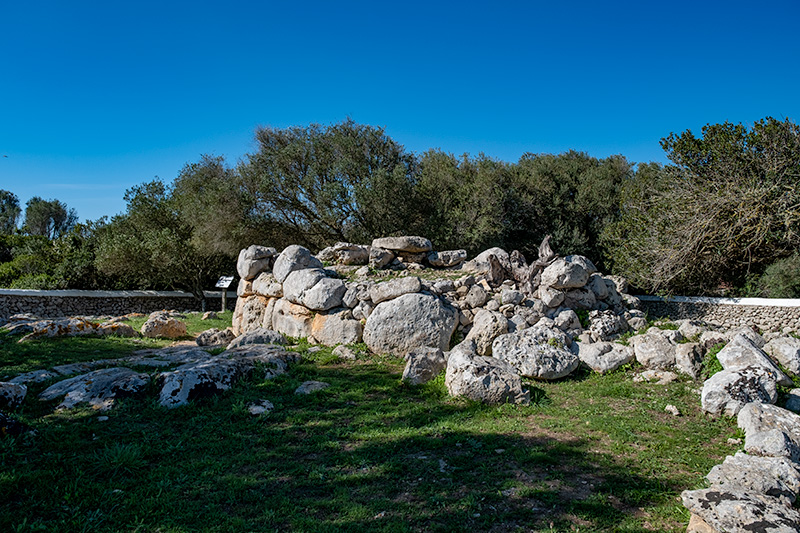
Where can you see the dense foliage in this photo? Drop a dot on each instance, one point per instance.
(717, 217)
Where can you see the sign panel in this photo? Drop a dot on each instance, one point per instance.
(224, 282)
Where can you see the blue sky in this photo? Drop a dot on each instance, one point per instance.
(100, 96)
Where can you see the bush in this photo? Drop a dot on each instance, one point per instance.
(781, 279)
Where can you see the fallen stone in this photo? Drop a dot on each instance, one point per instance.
(12, 394)
(99, 388)
(660, 377)
(728, 391)
(785, 350)
(258, 336)
(447, 259)
(209, 315)
(482, 379)
(261, 407)
(770, 476)
(379, 258)
(308, 387)
(215, 337)
(654, 350)
(345, 352)
(564, 275)
(486, 327)
(537, 352)
(770, 431)
(741, 353)
(689, 359)
(162, 325)
(423, 365)
(740, 510)
(35, 376)
(604, 357)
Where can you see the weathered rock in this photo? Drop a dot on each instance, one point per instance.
(253, 260)
(785, 350)
(583, 261)
(741, 352)
(538, 352)
(307, 387)
(35, 376)
(740, 510)
(209, 315)
(604, 356)
(486, 327)
(598, 286)
(336, 326)
(12, 394)
(261, 407)
(379, 258)
(770, 476)
(348, 253)
(727, 392)
(291, 319)
(409, 321)
(689, 358)
(394, 288)
(423, 365)
(654, 350)
(660, 377)
(62, 327)
(447, 259)
(99, 388)
(244, 289)
(345, 352)
(293, 258)
(567, 320)
(750, 334)
(115, 329)
(510, 296)
(481, 264)
(258, 336)
(477, 296)
(249, 313)
(482, 379)
(621, 284)
(551, 297)
(162, 325)
(770, 431)
(363, 309)
(215, 337)
(581, 298)
(411, 244)
(691, 329)
(311, 288)
(793, 401)
(607, 325)
(266, 285)
(564, 275)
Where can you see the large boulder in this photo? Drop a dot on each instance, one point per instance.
(538, 352)
(409, 321)
(411, 244)
(770, 476)
(215, 337)
(654, 350)
(785, 350)
(423, 365)
(482, 379)
(249, 313)
(770, 431)
(736, 509)
(163, 325)
(689, 358)
(486, 327)
(607, 325)
(583, 261)
(482, 263)
(253, 260)
(258, 336)
(293, 258)
(447, 259)
(388, 290)
(604, 356)
(345, 253)
(728, 391)
(291, 319)
(99, 388)
(266, 285)
(564, 275)
(312, 288)
(379, 258)
(743, 352)
(336, 326)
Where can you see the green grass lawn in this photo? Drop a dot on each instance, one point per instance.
(592, 453)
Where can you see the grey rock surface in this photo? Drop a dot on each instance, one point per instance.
(538, 352)
(12, 394)
(737, 510)
(482, 379)
(394, 288)
(98, 389)
(258, 336)
(770, 476)
(423, 365)
(604, 356)
(486, 327)
(336, 326)
(770, 431)
(742, 352)
(408, 243)
(728, 391)
(785, 350)
(253, 260)
(293, 258)
(564, 275)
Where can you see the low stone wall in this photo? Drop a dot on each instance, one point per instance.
(51, 304)
(764, 313)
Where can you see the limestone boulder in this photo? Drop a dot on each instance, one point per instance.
(215, 337)
(604, 357)
(735, 509)
(394, 288)
(447, 259)
(483, 379)
(770, 476)
(336, 326)
(409, 321)
(249, 313)
(116, 329)
(98, 389)
(486, 327)
(654, 350)
(598, 286)
(412, 244)
(743, 352)
(476, 296)
(12, 395)
(689, 358)
(482, 263)
(423, 365)
(728, 391)
(291, 319)
(163, 326)
(607, 325)
(538, 352)
(293, 258)
(786, 351)
(551, 297)
(253, 260)
(562, 274)
(310, 387)
(267, 286)
(770, 431)
(380, 258)
(258, 336)
(312, 288)
(583, 261)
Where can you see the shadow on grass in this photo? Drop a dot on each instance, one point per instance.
(366, 454)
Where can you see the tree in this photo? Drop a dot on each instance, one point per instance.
(49, 218)
(727, 207)
(314, 181)
(9, 212)
(152, 245)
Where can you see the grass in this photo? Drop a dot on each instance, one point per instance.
(369, 453)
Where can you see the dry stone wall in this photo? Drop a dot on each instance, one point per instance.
(52, 304)
(766, 314)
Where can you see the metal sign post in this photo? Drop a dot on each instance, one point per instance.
(223, 283)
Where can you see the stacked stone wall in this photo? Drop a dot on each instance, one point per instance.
(765, 314)
(52, 304)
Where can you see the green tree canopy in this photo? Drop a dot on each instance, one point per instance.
(49, 218)
(727, 207)
(9, 212)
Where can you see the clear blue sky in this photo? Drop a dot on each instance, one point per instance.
(100, 96)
